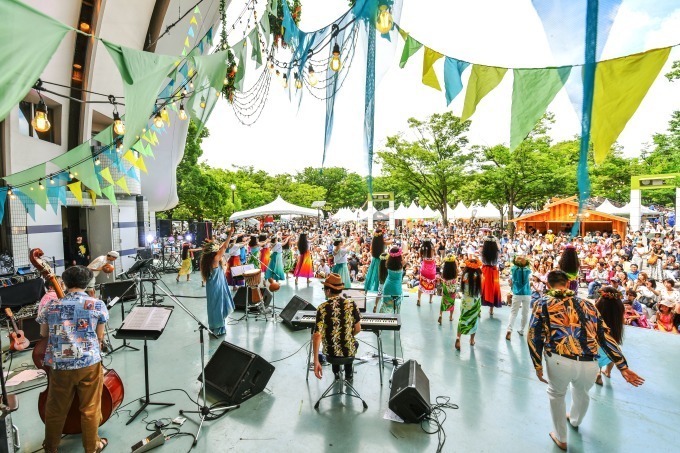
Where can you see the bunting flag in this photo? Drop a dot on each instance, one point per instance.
(77, 191)
(79, 160)
(56, 195)
(130, 157)
(627, 81)
(483, 80)
(109, 193)
(29, 180)
(143, 74)
(29, 204)
(88, 175)
(411, 46)
(239, 50)
(211, 69)
(3, 199)
(193, 21)
(532, 92)
(256, 53)
(132, 173)
(123, 185)
(105, 137)
(452, 77)
(24, 59)
(37, 193)
(93, 197)
(266, 28)
(429, 76)
(106, 175)
(139, 163)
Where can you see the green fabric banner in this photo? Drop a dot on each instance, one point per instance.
(620, 86)
(483, 79)
(266, 28)
(79, 159)
(29, 39)
(532, 92)
(239, 50)
(32, 191)
(256, 53)
(411, 46)
(105, 137)
(110, 194)
(143, 74)
(211, 72)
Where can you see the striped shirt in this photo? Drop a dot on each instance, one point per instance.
(569, 326)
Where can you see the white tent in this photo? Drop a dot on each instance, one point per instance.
(400, 212)
(276, 207)
(625, 210)
(414, 212)
(487, 211)
(608, 208)
(429, 213)
(460, 211)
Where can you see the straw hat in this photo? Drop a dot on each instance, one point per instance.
(334, 281)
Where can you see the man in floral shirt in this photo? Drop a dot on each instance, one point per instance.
(74, 326)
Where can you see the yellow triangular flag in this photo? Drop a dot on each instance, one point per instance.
(620, 86)
(186, 42)
(429, 76)
(146, 137)
(483, 79)
(193, 20)
(93, 197)
(404, 34)
(106, 174)
(130, 157)
(140, 164)
(165, 116)
(191, 72)
(76, 190)
(154, 138)
(123, 185)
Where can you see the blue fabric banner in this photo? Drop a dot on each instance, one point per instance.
(453, 69)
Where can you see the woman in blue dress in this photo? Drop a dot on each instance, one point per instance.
(275, 268)
(372, 281)
(220, 303)
(392, 292)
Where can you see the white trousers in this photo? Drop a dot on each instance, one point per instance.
(562, 372)
(517, 302)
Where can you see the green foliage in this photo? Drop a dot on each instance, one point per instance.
(675, 72)
(435, 165)
(342, 187)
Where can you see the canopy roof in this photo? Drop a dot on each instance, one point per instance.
(460, 211)
(400, 212)
(276, 207)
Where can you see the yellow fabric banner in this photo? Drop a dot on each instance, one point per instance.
(140, 164)
(130, 157)
(123, 185)
(429, 76)
(483, 79)
(76, 190)
(620, 86)
(93, 197)
(106, 174)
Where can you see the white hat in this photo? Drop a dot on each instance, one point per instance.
(113, 254)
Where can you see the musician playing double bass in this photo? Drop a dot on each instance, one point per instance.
(74, 326)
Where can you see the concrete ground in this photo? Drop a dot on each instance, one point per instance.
(502, 406)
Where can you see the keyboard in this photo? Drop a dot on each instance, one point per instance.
(369, 321)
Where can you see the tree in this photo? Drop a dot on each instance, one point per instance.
(435, 164)
(343, 188)
(675, 72)
(664, 158)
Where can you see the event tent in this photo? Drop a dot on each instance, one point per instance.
(276, 207)
(608, 208)
(460, 212)
(624, 210)
(488, 211)
(429, 213)
(400, 212)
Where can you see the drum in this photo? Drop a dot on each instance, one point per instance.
(253, 278)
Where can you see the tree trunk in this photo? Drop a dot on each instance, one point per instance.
(511, 216)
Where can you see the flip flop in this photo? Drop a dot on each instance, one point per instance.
(104, 442)
(598, 380)
(560, 445)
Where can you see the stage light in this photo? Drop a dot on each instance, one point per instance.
(336, 64)
(40, 122)
(149, 238)
(118, 125)
(187, 237)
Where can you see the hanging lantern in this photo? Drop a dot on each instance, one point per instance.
(202, 102)
(118, 125)
(312, 76)
(40, 122)
(284, 81)
(158, 120)
(182, 112)
(384, 22)
(336, 64)
(298, 82)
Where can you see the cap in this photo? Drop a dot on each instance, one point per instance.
(113, 254)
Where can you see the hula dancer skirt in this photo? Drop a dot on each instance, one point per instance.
(448, 297)
(469, 315)
(275, 269)
(372, 282)
(342, 270)
(288, 261)
(186, 267)
(428, 277)
(265, 255)
(491, 287)
(234, 261)
(304, 267)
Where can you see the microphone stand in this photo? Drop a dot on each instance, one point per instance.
(203, 410)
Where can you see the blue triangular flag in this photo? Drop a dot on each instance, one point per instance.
(453, 68)
(3, 198)
(29, 204)
(191, 32)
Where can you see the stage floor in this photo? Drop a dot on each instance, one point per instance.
(503, 407)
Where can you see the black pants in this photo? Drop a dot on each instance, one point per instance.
(349, 369)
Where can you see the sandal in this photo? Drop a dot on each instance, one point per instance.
(103, 443)
(440, 320)
(457, 345)
(598, 379)
(561, 445)
(507, 335)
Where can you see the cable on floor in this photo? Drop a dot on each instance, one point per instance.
(437, 418)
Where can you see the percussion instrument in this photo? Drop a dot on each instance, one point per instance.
(273, 285)
(253, 278)
(107, 268)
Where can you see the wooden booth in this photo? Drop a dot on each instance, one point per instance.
(560, 214)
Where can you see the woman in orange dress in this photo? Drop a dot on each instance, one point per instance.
(491, 286)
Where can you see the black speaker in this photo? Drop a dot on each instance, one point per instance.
(202, 232)
(240, 297)
(236, 374)
(295, 304)
(31, 329)
(410, 393)
(164, 228)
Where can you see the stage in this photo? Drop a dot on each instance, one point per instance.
(503, 407)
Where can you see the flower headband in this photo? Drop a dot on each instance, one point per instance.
(472, 264)
(210, 247)
(611, 295)
(384, 256)
(450, 259)
(396, 254)
(377, 233)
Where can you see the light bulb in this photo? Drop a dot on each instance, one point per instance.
(225, 81)
(312, 76)
(97, 161)
(182, 112)
(31, 188)
(298, 82)
(40, 122)
(336, 64)
(383, 22)
(51, 180)
(41, 186)
(118, 125)
(191, 84)
(284, 81)
(158, 120)
(202, 102)
(10, 193)
(70, 174)
(119, 147)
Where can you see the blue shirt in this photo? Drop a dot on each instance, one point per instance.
(521, 286)
(633, 276)
(72, 322)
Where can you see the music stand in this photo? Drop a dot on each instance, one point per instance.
(122, 312)
(204, 410)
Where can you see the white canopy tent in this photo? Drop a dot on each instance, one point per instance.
(276, 207)
(460, 212)
(414, 212)
(429, 213)
(625, 210)
(608, 208)
(487, 211)
(400, 212)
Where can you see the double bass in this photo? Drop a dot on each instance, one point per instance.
(112, 391)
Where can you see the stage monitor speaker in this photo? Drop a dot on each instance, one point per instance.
(236, 374)
(164, 228)
(120, 289)
(410, 393)
(203, 231)
(296, 303)
(240, 297)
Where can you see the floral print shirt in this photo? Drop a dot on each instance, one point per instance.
(335, 320)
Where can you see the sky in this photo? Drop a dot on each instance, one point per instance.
(288, 138)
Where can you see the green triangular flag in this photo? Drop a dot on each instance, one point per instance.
(483, 79)
(110, 194)
(411, 46)
(256, 53)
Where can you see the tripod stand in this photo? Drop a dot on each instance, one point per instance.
(203, 410)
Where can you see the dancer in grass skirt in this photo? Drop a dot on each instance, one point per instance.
(449, 280)
(491, 288)
(428, 270)
(471, 300)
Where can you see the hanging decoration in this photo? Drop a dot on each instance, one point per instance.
(276, 18)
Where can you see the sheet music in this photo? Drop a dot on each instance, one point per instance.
(147, 318)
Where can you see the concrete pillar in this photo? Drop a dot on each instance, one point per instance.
(635, 212)
(369, 210)
(677, 209)
(392, 227)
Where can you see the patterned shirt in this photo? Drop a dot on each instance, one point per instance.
(335, 320)
(570, 326)
(72, 321)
